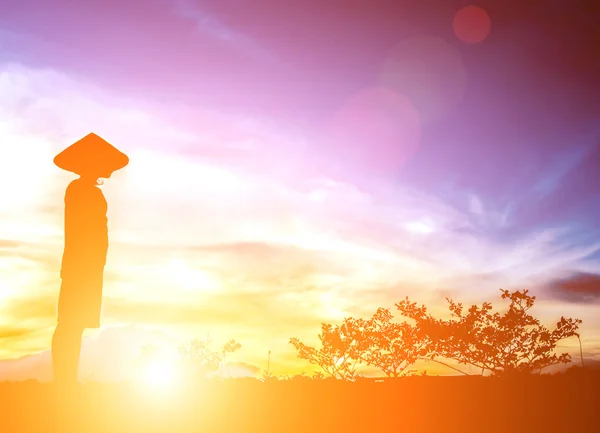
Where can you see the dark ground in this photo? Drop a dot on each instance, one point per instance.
(558, 403)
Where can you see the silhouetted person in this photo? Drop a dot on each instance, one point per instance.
(86, 246)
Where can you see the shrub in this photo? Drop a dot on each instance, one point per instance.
(509, 343)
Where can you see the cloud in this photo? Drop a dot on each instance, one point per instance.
(14, 332)
(109, 356)
(56, 107)
(565, 162)
(36, 367)
(6, 244)
(241, 369)
(211, 25)
(236, 308)
(31, 308)
(579, 287)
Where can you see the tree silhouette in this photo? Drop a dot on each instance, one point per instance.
(513, 342)
(379, 342)
(391, 346)
(341, 351)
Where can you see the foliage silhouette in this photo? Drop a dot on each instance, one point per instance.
(391, 346)
(318, 375)
(342, 348)
(198, 359)
(502, 344)
(509, 343)
(378, 342)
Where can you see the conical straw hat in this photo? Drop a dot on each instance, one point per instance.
(91, 154)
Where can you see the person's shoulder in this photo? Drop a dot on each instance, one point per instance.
(75, 183)
(78, 188)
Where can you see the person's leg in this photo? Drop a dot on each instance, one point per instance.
(58, 353)
(74, 353)
(66, 348)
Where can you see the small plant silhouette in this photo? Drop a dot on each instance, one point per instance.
(318, 376)
(198, 358)
(267, 376)
(298, 377)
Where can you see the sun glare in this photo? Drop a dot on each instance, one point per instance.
(160, 373)
(186, 277)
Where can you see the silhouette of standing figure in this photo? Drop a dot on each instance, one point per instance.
(86, 246)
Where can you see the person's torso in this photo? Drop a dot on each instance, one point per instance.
(86, 228)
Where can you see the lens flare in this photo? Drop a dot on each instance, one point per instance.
(472, 24)
(430, 72)
(376, 131)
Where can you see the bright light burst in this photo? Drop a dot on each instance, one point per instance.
(159, 372)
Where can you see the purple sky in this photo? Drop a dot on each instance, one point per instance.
(525, 136)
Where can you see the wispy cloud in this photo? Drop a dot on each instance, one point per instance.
(563, 163)
(209, 24)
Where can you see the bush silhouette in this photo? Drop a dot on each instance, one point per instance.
(501, 344)
(509, 343)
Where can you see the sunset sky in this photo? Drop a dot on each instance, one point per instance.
(299, 162)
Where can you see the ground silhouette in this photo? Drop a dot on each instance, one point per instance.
(548, 403)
